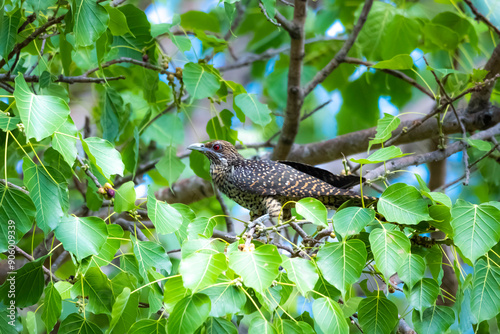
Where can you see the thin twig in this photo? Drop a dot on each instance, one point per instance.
(223, 206)
(12, 185)
(61, 78)
(88, 171)
(481, 17)
(344, 50)
(144, 64)
(19, 46)
(465, 156)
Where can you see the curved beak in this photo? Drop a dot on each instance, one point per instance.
(197, 147)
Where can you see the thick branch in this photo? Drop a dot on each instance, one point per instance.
(295, 97)
(419, 159)
(339, 57)
(481, 99)
(186, 191)
(357, 142)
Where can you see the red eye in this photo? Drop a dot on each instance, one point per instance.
(216, 147)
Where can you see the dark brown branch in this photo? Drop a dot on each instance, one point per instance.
(6, 87)
(397, 74)
(481, 17)
(481, 99)
(62, 78)
(19, 46)
(340, 56)
(295, 97)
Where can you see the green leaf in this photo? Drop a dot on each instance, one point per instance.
(82, 236)
(50, 198)
(64, 288)
(342, 262)
(412, 269)
(64, 141)
(170, 166)
(220, 326)
(423, 294)
(438, 197)
(381, 155)
(200, 165)
(41, 115)
(377, 314)
(226, 299)
(8, 31)
(17, 212)
(95, 285)
(390, 249)
(149, 326)
(76, 324)
(90, 21)
(258, 268)
(441, 36)
(189, 314)
(117, 21)
(476, 228)
(199, 82)
(124, 312)
(110, 247)
(104, 155)
(250, 105)
(329, 316)
(435, 319)
(52, 307)
(8, 123)
(199, 270)
(164, 217)
(174, 291)
(441, 218)
(485, 299)
(211, 41)
(201, 226)
(28, 282)
(260, 326)
(200, 20)
(351, 306)
(312, 210)
(150, 254)
(125, 197)
(385, 126)
(352, 220)
(167, 130)
(112, 113)
(481, 145)
(403, 204)
(399, 62)
(302, 272)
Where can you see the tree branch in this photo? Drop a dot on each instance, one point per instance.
(340, 56)
(295, 97)
(481, 99)
(19, 46)
(481, 17)
(12, 185)
(419, 159)
(144, 64)
(397, 74)
(31, 258)
(62, 78)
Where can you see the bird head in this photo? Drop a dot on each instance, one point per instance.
(218, 151)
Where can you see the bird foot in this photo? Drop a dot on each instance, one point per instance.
(260, 221)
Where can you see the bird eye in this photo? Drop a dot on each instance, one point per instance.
(216, 147)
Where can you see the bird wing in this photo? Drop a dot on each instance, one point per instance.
(271, 178)
(339, 181)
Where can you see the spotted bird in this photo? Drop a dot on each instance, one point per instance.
(264, 186)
